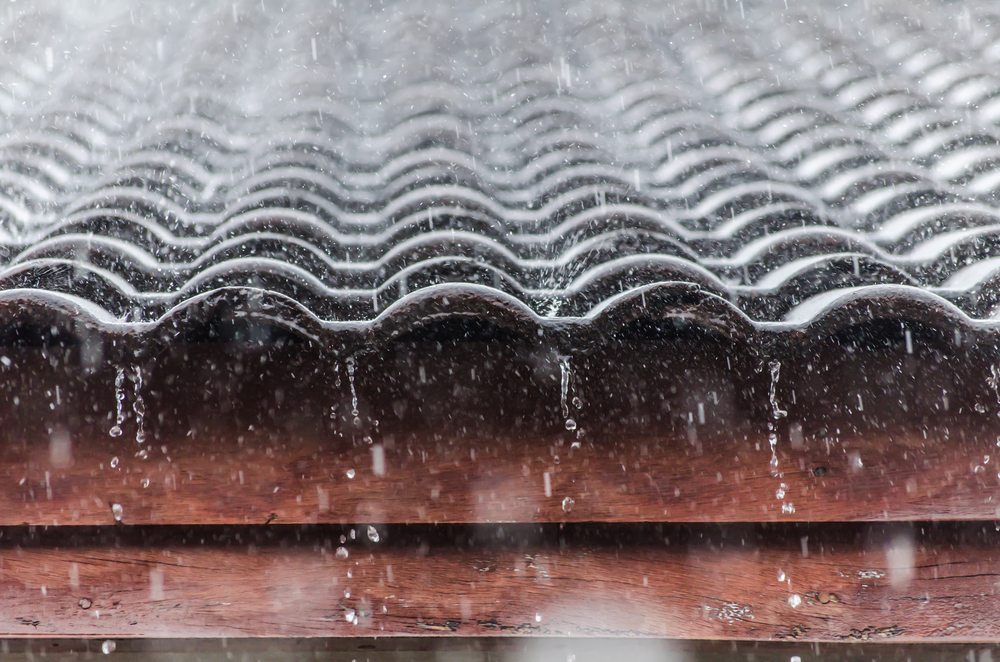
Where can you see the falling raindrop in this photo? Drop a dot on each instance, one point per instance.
(117, 511)
(351, 616)
(350, 473)
(114, 462)
(108, 647)
(373, 534)
(538, 618)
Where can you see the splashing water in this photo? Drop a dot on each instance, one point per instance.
(116, 430)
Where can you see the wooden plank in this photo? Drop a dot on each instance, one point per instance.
(475, 432)
(797, 583)
(489, 649)
(226, 477)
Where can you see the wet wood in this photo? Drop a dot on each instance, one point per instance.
(678, 430)
(230, 478)
(495, 649)
(831, 583)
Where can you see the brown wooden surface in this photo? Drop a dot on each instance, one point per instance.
(220, 480)
(855, 583)
(674, 429)
(489, 649)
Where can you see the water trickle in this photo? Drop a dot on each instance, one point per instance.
(116, 430)
(772, 395)
(373, 534)
(772, 440)
(565, 389)
(354, 393)
(139, 407)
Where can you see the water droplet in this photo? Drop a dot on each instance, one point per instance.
(538, 618)
(342, 553)
(117, 511)
(795, 658)
(795, 600)
(568, 504)
(114, 462)
(85, 603)
(570, 424)
(350, 473)
(373, 534)
(351, 616)
(108, 647)
(781, 575)
(787, 508)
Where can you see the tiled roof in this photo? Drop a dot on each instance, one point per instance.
(337, 165)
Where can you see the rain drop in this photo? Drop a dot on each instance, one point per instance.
(117, 511)
(567, 504)
(108, 647)
(373, 534)
(342, 553)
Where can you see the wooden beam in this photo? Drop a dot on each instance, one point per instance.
(228, 476)
(920, 583)
(678, 430)
(496, 649)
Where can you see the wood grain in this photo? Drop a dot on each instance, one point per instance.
(831, 583)
(494, 649)
(230, 478)
(672, 429)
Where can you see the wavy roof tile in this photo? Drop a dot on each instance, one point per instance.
(554, 164)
